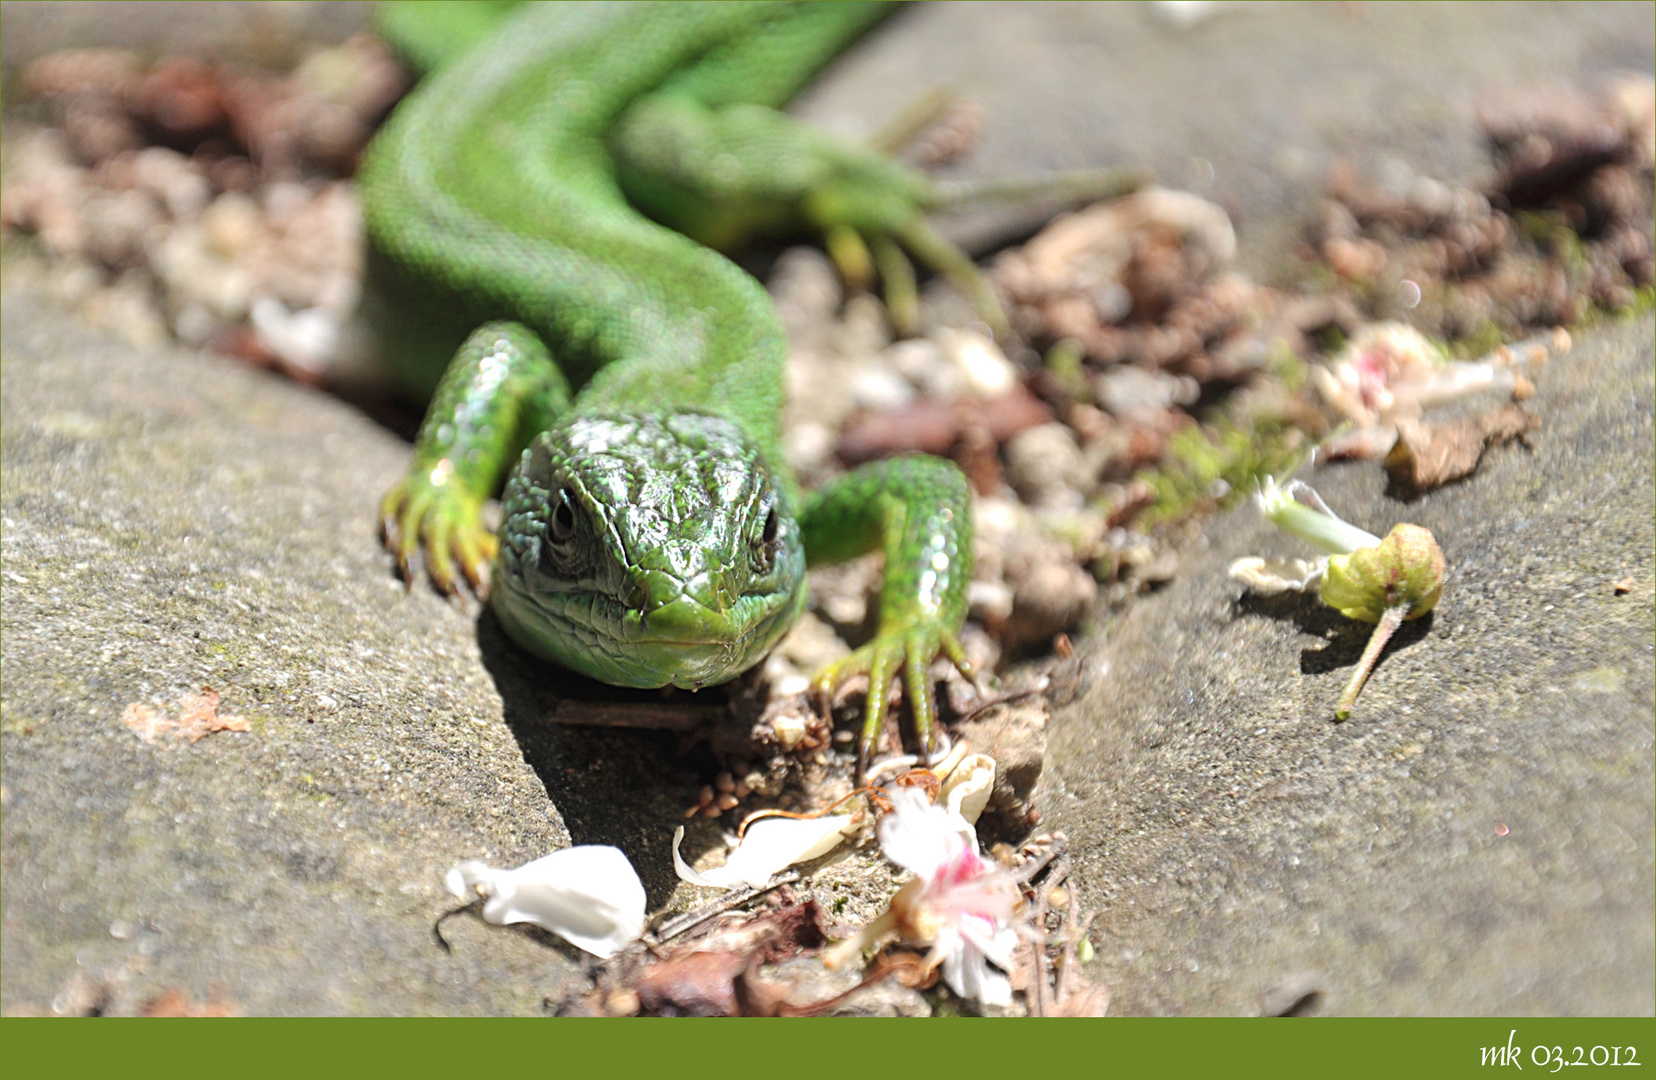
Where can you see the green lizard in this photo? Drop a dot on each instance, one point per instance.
(651, 531)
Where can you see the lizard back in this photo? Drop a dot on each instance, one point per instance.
(491, 194)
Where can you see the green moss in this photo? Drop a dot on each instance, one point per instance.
(1550, 231)
(1644, 300)
(1286, 367)
(1063, 363)
(19, 725)
(1217, 464)
(1479, 343)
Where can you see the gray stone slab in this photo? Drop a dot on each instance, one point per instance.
(172, 521)
(1477, 838)
(1249, 106)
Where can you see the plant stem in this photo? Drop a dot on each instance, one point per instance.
(1383, 631)
(1314, 523)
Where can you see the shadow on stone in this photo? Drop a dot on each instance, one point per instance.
(620, 765)
(544, 938)
(1344, 639)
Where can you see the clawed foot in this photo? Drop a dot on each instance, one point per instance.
(910, 650)
(422, 513)
(880, 248)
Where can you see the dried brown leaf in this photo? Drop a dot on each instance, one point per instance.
(932, 427)
(691, 984)
(1428, 456)
(145, 721)
(910, 969)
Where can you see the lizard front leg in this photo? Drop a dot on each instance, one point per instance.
(500, 390)
(917, 510)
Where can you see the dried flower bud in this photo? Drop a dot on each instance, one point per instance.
(1365, 578)
(1404, 569)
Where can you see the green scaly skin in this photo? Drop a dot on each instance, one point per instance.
(651, 533)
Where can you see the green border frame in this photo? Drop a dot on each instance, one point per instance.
(1320, 1047)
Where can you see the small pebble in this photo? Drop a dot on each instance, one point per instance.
(789, 732)
(880, 389)
(983, 368)
(1045, 466)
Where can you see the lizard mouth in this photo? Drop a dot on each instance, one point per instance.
(687, 621)
(681, 643)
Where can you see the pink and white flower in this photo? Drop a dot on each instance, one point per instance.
(1389, 372)
(958, 903)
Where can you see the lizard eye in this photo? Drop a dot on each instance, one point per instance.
(764, 545)
(561, 526)
(559, 558)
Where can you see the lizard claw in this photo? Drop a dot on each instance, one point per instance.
(860, 254)
(910, 651)
(418, 516)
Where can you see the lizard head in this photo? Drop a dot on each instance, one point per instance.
(644, 550)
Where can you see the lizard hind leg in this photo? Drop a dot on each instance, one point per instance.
(723, 175)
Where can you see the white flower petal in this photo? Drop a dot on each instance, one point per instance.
(966, 791)
(967, 947)
(958, 903)
(588, 895)
(770, 846)
(307, 339)
(1460, 379)
(1278, 575)
(967, 971)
